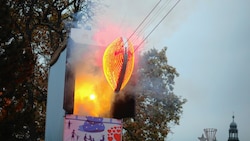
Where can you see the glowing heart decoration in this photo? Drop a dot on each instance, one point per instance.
(118, 63)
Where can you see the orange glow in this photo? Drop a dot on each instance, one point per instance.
(114, 60)
(93, 97)
(92, 94)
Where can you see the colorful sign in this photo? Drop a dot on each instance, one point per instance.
(88, 128)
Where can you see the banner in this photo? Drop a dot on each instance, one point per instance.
(88, 128)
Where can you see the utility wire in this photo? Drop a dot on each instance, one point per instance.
(157, 24)
(144, 19)
(153, 17)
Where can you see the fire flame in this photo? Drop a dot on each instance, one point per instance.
(92, 97)
(118, 63)
(92, 94)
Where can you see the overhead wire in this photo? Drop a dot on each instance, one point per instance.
(144, 19)
(151, 20)
(158, 24)
(154, 16)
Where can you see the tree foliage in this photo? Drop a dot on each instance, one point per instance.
(158, 108)
(33, 34)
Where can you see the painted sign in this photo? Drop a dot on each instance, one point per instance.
(88, 128)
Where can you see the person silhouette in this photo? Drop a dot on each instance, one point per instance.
(102, 139)
(85, 138)
(69, 123)
(73, 135)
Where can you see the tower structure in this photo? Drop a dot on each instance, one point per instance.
(210, 134)
(233, 131)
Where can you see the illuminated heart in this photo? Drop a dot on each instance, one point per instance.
(118, 63)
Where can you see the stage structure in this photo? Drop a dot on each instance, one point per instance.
(84, 89)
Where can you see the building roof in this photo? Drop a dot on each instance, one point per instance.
(233, 125)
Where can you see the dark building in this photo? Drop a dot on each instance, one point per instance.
(233, 132)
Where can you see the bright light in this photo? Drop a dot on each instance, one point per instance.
(118, 63)
(92, 96)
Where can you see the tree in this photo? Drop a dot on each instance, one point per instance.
(33, 34)
(157, 108)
